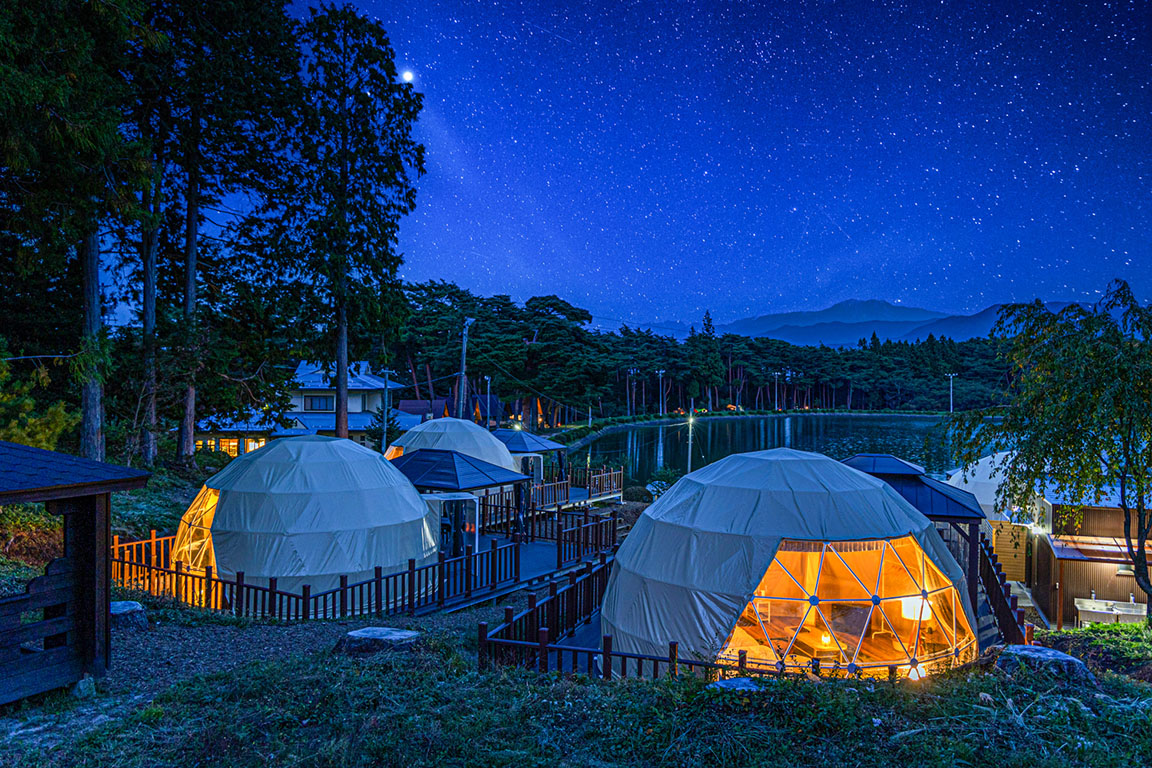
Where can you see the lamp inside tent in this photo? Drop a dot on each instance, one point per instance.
(791, 560)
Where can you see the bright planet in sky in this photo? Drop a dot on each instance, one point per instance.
(407, 75)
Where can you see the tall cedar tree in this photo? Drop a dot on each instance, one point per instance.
(1079, 420)
(65, 166)
(355, 163)
(212, 105)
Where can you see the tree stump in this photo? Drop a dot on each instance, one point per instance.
(376, 639)
(128, 614)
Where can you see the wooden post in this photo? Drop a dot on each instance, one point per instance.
(378, 581)
(516, 560)
(494, 565)
(482, 646)
(542, 642)
(1029, 631)
(273, 599)
(606, 656)
(571, 604)
(177, 594)
(239, 599)
(209, 589)
(468, 570)
(305, 600)
(673, 658)
(411, 586)
(742, 662)
(509, 616)
(441, 579)
(533, 618)
(559, 544)
(974, 564)
(1059, 589)
(343, 595)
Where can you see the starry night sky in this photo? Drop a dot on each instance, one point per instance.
(649, 160)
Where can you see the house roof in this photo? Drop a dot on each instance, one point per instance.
(431, 468)
(437, 407)
(33, 474)
(301, 423)
(311, 375)
(1109, 498)
(1092, 549)
(488, 406)
(519, 441)
(934, 498)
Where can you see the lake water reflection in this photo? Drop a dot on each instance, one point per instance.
(647, 448)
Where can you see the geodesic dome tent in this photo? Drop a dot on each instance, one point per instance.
(307, 510)
(983, 480)
(790, 557)
(458, 435)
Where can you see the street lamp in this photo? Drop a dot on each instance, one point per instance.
(660, 378)
(488, 403)
(950, 377)
(776, 378)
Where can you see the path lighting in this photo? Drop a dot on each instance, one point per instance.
(950, 377)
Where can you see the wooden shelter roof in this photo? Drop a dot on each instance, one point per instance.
(33, 474)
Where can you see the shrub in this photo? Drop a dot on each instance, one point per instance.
(637, 493)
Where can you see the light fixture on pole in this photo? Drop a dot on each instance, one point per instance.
(463, 368)
(488, 403)
(660, 378)
(776, 377)
(950, 377)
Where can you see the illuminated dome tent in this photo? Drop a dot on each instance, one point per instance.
(458, 435)
(791, 557)
(307, 510)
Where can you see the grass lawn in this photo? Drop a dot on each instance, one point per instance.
(430, 707)
(1123, 648)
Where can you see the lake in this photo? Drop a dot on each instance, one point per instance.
(646, 448)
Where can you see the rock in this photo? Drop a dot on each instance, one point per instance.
(376, 639)
(85, 688)
(1037, 658)
(736, 684)
(128, 614)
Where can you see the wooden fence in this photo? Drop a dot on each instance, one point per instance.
(1005, 609)
(407, 591)
(598, 482)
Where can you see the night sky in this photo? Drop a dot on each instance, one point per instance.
(649, 160)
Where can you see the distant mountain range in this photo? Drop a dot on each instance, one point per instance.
(844, 324)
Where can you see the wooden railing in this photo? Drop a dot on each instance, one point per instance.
(1005, 608)
(598, 482)
(589, 535)
(550, 494)
(407, 591)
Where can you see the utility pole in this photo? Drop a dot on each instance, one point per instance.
(950, 377)
(488, 403)
(387, 409)
(776, 376)
(632, 390)
(691, 422)
(464, 366)
(660, 378)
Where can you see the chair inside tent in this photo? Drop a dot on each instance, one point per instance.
(863, 606)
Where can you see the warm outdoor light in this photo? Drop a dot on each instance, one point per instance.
(915, 609)
(826, 639)
(914, 673)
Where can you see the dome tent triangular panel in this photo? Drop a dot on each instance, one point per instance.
(455, 435)
(731, 558)
(307, 510)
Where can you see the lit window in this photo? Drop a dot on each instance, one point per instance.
(253, 444)
(230, 446)
(319, 402)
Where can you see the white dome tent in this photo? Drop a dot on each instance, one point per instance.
(458, 435)
(307, 510)
(791, 557)
(983, 480)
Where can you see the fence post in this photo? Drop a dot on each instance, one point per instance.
(606, 656)
(273, 599)
(305, 599)
(542, 642)
(378, 579)
(494, 565)
(177, 593)
(468, 570)
(482, 646)
(509, 616)
(673, 657)
(441, 578)
(559, 545)
(1029, 630)
(615, 528)
(516, 560)
(742, 663)
(152, 548)
(343, 595)
(571, 622)
(238, 600)
(533, 618)
(411, 586)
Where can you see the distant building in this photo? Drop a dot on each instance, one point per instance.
(312, 412)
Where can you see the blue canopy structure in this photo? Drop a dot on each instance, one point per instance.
(935, 499)
(519, 441)
(431, 469)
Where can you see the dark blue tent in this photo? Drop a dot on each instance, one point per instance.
(437, 470)
(519, 441)
(944, 504)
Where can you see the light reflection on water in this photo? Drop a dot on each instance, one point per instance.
(646, 448)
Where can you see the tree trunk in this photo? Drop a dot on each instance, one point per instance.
(92, 392)
(415, 381)
(149, 241)
(191, 233)
(341, 366)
